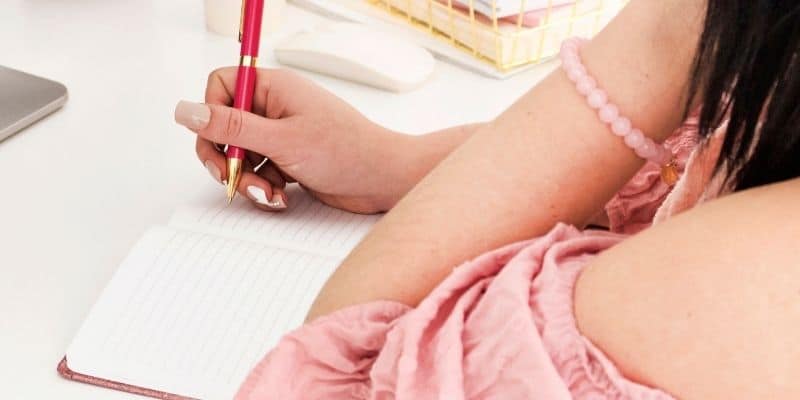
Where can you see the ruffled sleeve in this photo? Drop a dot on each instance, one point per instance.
(633, 208)
(330, 358)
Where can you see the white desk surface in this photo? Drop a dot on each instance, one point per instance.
(82, 185)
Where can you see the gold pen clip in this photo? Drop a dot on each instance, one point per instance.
(241, 22)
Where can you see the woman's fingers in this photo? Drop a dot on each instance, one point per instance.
(254, 159)
(274, 174)
(216, 123)
(221, 124)
(212, 159)
(261, 192)
(256, 186)
(222, 82)
(220, 86)
(269, 172)
(265, 188)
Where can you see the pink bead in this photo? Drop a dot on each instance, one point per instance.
(634, 139)
(569, 64)
(621, 126)
(647, 149)
(569, 54)
(608, 113)
(576, 72)
(585, 85)
(662, 155)
(569, 46)
(597, 98)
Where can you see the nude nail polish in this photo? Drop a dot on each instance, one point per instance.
(192, 115)
(213, 171)
(258, 195)
(278, 198)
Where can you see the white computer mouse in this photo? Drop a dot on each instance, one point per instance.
(358, 53)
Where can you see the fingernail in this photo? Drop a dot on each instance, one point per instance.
(192, 115)
(258, 195)
(214, 171)
(278, 198)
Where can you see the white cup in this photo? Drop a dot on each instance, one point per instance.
(223, 16)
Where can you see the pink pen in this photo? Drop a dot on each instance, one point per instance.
(249, 36)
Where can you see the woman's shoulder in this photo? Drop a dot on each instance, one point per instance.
(692, 305)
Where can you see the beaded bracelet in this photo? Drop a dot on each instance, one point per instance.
(609, 113)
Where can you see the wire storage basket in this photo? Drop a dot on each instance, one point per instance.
(505, 33)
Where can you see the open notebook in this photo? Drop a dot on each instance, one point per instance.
(197, 303)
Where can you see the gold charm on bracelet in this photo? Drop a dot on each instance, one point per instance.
(669, 173)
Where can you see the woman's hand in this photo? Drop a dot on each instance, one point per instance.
(307, 135)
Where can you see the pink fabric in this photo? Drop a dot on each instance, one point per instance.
(499, 327)
(698, 183)
(634, 207)
(530, 19)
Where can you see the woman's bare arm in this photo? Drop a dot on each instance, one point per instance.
(425, 152)
(546, 159)
(707, 304)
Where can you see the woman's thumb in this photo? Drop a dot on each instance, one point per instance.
(226, 125)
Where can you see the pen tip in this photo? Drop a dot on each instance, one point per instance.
(230, 192)
(234, 174)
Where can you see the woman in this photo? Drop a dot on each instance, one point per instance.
(705, 305)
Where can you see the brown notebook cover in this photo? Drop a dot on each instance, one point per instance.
(63, 370)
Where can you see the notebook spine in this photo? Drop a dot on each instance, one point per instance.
(64, 370)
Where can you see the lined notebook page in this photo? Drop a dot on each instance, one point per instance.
(190, 311)
(308, 226)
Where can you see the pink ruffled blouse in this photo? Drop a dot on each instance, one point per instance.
(499, 327)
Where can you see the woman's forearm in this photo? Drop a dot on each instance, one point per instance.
(411, 157)
(545, 160)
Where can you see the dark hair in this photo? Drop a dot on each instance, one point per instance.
(747, 69)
